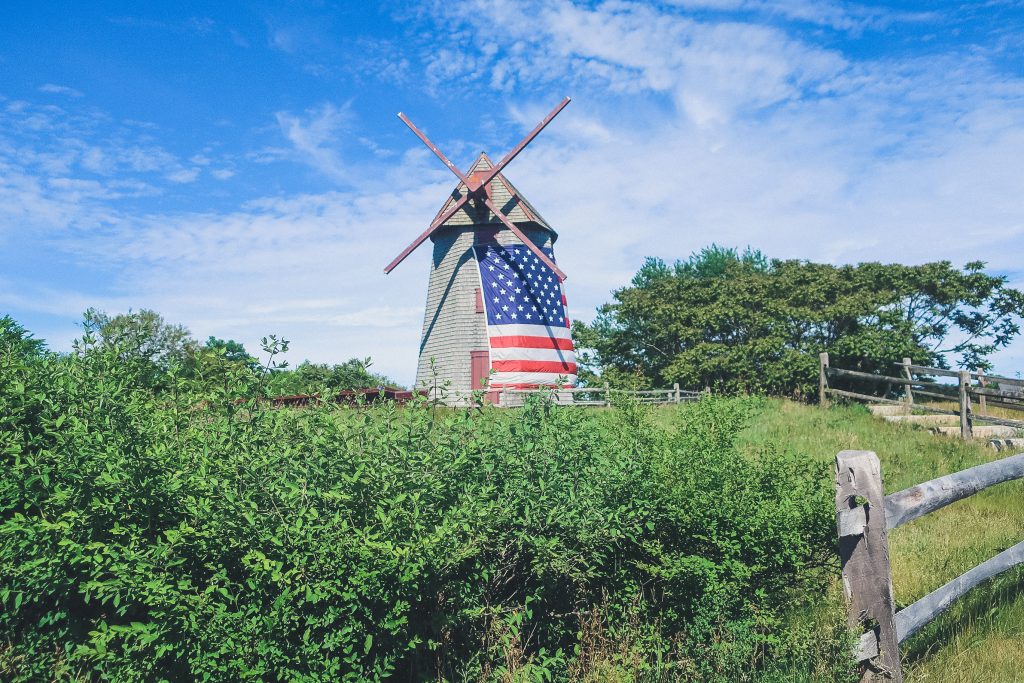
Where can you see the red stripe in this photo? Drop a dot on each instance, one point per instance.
(521, 342)
(534, 366)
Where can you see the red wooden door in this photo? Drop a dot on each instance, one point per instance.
(480, 364)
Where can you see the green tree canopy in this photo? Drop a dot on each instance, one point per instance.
(232, 351)
(310, 377)
(16, 340)
(142, 338)
(741, 322)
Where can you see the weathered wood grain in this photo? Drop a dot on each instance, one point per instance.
(966, 423)
(908, 396)
(909, 504)
(823, 379)
(864, 557)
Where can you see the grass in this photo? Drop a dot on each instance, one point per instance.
(981, 638)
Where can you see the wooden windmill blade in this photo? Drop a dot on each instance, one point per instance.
(477, 188)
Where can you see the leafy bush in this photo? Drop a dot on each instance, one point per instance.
(191, 535)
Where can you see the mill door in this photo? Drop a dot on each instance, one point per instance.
(480, 363)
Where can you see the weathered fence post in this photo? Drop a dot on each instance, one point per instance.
(607, 394)
(864, 556)
(982, 403)
(966, 426)
(675, 388)
(822, 380)
(909, 396)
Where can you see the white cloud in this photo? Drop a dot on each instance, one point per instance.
(315, 137)
(683, 132)
(184, 175)
(54, 89)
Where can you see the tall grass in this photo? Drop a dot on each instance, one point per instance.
(981, 638)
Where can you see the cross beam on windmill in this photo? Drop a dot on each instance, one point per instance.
(496, 315)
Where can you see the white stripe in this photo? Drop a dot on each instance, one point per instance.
(529, 331)
(530, 378)
(519, 353)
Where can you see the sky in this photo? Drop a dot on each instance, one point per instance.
(239, 167)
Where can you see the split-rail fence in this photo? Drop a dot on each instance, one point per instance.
(509, 398)
(965, 393)
(864, 515)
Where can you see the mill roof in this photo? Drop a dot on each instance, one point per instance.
(505, 197)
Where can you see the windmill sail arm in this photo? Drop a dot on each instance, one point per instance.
(441, 218)
(437, 222)
(527, 242)
(514, 152)
(409, 249)
(433, 148)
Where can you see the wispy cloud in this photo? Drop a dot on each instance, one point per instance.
(54, 89)
(315, 137)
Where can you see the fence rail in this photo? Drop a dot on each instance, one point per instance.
(965, 393)
(864, 515)
(597, 396)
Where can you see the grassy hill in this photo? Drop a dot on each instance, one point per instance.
(982, 637)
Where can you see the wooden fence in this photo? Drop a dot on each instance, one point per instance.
(599, 396)
(578, 396)
(864, 515)
(965, 393)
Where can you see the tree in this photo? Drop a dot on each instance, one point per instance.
(741, 322)
(16, 340)
(232, 351)
(310, 377)
(143, 339)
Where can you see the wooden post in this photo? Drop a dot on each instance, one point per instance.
(906, 373)
(675, 388)
(982, 404)
(966, 421)
(822, 380)
(607, 394)
(864, 557)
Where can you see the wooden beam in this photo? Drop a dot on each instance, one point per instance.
(869, 375)
(998, 379)
(912, 619)
(527, 242)
(909, 393)
(514, 152)
(909, 504)
(433, 148)
(823, 379)
(864, 557)
(966, 424)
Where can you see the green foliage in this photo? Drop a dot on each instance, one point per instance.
(16, 340)
(309, 378)
(740, 323)
(193, 534)
(232, 351)
(143, 340)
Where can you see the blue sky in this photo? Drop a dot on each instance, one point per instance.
(239, 167)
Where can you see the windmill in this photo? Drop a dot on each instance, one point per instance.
(496, 312)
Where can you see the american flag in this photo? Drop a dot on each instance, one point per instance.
(527, 319)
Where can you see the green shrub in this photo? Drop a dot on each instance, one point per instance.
(195, 535)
